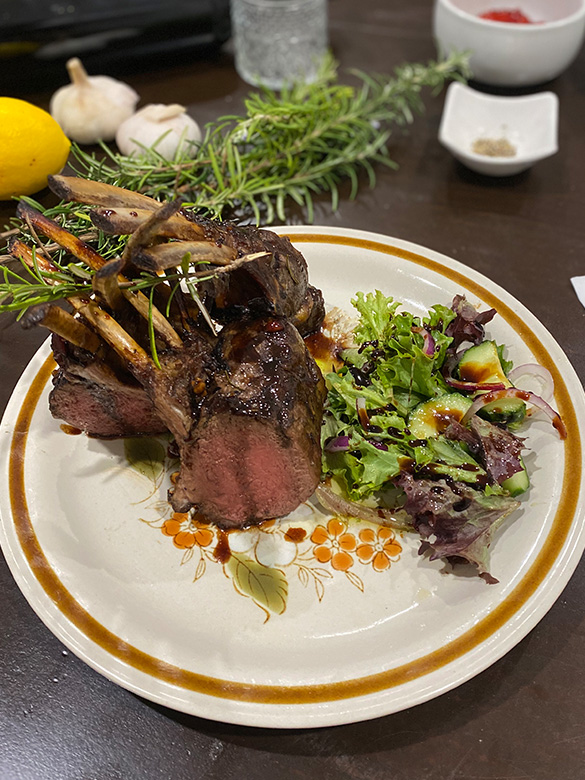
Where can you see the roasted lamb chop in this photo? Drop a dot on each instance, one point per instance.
(97, 398)
(244, 406)
(254, 447)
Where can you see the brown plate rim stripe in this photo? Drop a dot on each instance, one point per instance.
(306, 694)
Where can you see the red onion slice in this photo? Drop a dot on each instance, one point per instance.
(429, 345)
(338, 444)
(473, 387)
(338, 505)
(523, 395)
(534, 369)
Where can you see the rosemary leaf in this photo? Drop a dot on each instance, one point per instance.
(151, 336)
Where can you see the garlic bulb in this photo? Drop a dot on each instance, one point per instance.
(91, 108)
(168, 125)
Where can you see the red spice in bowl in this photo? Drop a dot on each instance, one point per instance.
(515, 16)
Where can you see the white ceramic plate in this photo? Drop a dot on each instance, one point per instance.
(319, 625)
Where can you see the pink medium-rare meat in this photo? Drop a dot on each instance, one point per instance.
(91, 395)
(243, 471)
(103, 413)
(254, 453)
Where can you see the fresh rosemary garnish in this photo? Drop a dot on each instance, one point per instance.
(288, 146)
(292, 145)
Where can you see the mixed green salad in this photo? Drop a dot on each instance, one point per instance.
(420, 427)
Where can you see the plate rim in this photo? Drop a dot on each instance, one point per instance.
(299, 715)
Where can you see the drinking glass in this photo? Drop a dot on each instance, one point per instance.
(278, 41)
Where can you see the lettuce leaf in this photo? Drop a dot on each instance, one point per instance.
(455, 521)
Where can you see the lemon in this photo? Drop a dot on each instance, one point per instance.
(32, 147)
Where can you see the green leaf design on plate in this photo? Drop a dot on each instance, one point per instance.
(146, 456)
(267, 587)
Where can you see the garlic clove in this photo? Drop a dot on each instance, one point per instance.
(91, 108)
(166, 127)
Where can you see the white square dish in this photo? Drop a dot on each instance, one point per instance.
(528, 123)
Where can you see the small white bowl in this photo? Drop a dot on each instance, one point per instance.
(528, 123)
(509, 54)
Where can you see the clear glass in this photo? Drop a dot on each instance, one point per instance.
(278, 41)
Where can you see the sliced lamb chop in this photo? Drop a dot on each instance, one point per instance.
(133, 370)
(254, 450)
(92, 390)
(88, 394)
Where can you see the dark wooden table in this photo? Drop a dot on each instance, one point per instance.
(522, 719)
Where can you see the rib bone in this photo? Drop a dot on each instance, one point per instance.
(61, 322)
(148, 230)
(20, 250)
(106, 284)
(162, 256)
(123, 222)
(88, 255)
(96, 193)
(115, 335)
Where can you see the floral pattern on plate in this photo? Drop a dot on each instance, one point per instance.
(262, 561)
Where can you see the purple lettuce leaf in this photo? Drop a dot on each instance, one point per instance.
(455, 521)
(498, 450)
(468, 324)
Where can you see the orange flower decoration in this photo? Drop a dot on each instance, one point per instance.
(378, 547)
(333, 544)
(187, 533)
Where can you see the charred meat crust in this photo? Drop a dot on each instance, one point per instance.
(309, 318)
(273, 283)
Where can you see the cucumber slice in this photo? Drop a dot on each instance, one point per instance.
(518, 483)
(507, 410)
(482, 364)
(431, 418)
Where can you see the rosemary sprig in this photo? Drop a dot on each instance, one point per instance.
(286, 147)
(20, 291)
(151, 335)
(295, 145)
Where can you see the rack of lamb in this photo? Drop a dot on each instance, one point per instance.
(225, 369)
